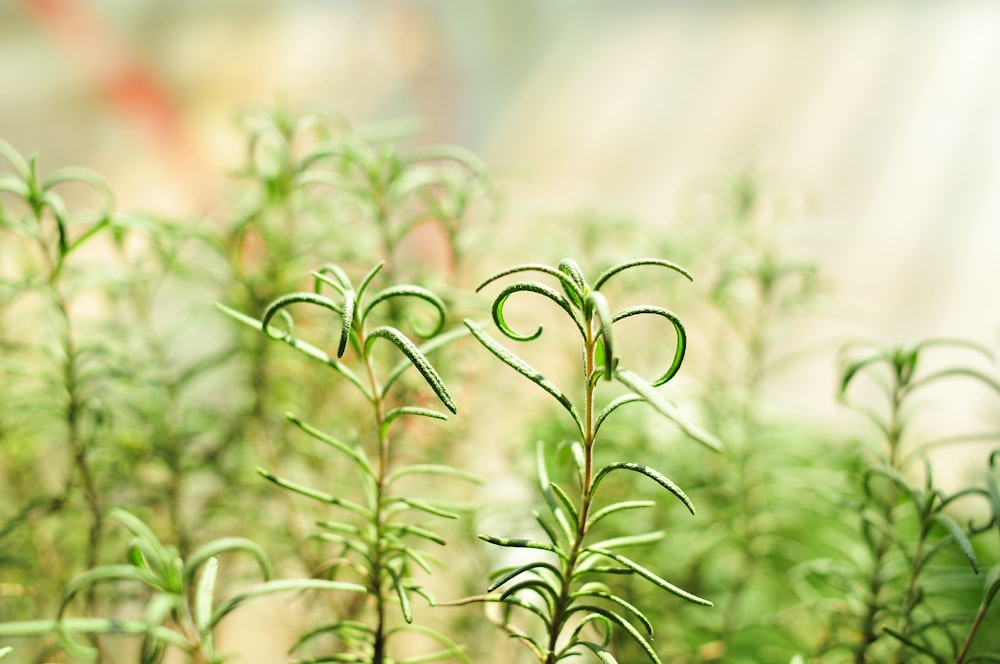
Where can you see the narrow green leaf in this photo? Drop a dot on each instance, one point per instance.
(340, 282)
(284, 585)
(563, 278)
(401, 530)
(607, 274)
(550, 500)
(368, 278)
(303, 347)
(629, 540)
(680, 347)
(451, 649)
(425, 506)
(280, 303)
(599, 590)
(205, 597)
(603, 655)
(404, 599)
(521, 544)
(517, 571)
(650, 576)
(401, 550)
(422, 591)
(549, 530)
(346, 322)
(96, 575)
(345, 630)
(571, 269)
(395, 413)
(14, 158)
(418, 359)
(538, 289)
(963, 372)
(438, 342)
(432, 469)
(415, 292)
(314, 494)
(629, 628)
(228, 545)
(617, 507)
(613, 406)
(540, 587)
(599, 305)
(566, 502)
(77, 174)
(652, 474)
(523, 368)
(94, 626)
(89, 233)
(960, 538)
(356, 455)
(667, 409)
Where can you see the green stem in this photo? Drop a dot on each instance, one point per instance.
(564, 601)
(376, 576)
(980, 615)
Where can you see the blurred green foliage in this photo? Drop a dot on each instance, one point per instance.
(121, 386)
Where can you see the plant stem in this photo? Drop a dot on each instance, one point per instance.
(375, 580)
(564, 601)
(984, 606)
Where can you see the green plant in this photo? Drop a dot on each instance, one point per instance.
(376, 546)
(806, 545)
(757, 518)
(314, 190)
(181, 610)
(907, 525)
(569, 588)
(60, 373)
(991, 585)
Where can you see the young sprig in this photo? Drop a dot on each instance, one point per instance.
(181, 610)
(566, 590)
(373, 541)
(907, 520)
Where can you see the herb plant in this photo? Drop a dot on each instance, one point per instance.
(567, 588)
(116, 390)
(181, 611)
(907, 525)
(377, 546)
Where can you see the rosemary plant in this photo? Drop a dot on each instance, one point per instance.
(309, 179)
(373, 542)
(57, 371)
(907, 523)
(181, 610)
(567, 587)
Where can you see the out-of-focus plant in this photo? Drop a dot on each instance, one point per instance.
(318, 190)
(181, 609)
(569, 587)
(52, 408)
(373, 542)
(757, 289)
(903, 596)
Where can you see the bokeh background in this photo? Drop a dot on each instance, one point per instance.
(885, 115)
(882, 118)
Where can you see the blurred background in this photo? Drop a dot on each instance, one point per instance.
(884, 116)
(879, 123)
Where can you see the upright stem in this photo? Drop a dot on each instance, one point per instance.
(869, 622)
(72, 414)
(375, 579)
(564, 601)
